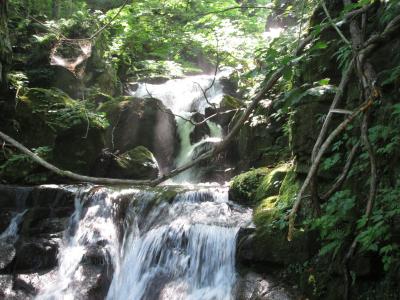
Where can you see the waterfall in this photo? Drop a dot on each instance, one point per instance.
(92, 231)
(183, 250)
(177, 249)
(185, 97)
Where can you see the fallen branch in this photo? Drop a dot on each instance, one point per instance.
(315, 164)
(68, 174)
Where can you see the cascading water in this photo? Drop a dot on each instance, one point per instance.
(186, 97)
(179, 248)
(91, 228)
(183, 250)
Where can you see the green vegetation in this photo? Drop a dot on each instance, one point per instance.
(68, 111)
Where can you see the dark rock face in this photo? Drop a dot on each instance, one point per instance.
(143, 122)
(35, 248)
(261, 246)
(200, 131)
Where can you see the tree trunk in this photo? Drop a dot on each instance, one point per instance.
(5, 46)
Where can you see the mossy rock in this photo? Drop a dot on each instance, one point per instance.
(34, 115)
(229, 102)
(138, 163)
(273, 207)
(272, 182)
(243, 187)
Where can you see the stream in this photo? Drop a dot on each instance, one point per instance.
(173, 242)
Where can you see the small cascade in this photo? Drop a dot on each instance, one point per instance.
(186, 97)
(185, 94)
(183, 250)
(11, 232)
(91, 235)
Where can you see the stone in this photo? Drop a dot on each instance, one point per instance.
(199, 132)
(253, 286)
(269, 246)
(36, 254)
(138, 163)
(7, 254)
(142, 122)
(243, 187)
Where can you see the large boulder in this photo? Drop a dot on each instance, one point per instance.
(142, 122)
(138, 163)
(270, 246)
(243, 187)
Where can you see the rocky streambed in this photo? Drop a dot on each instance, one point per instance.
(61, 241)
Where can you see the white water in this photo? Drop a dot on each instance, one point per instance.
(185, 250)
(11, 232)
(184, 95)
(89, 227)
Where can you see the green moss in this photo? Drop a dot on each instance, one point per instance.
(138, 163)
(266, 210)
(274, 206)
(229, 102)
(243, 187)
(271, 183)
(20, 168)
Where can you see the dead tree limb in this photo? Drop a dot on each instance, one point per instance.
(67, 174)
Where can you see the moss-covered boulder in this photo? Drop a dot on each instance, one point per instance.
(272, 192)
(272, 182)
(138, 163)
(229, 102)
(142, 122)
(275, 204)
(243, 188)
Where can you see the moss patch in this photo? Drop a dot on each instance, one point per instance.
(243, 187)
(274, 207)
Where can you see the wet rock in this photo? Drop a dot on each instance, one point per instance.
(96, 273)
(6, 283)
(36, 254)
(7, 254)
(253, 286)
(199, 131)
(142, 122)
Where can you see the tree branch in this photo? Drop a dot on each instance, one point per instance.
(315, 164)
(342, 177)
